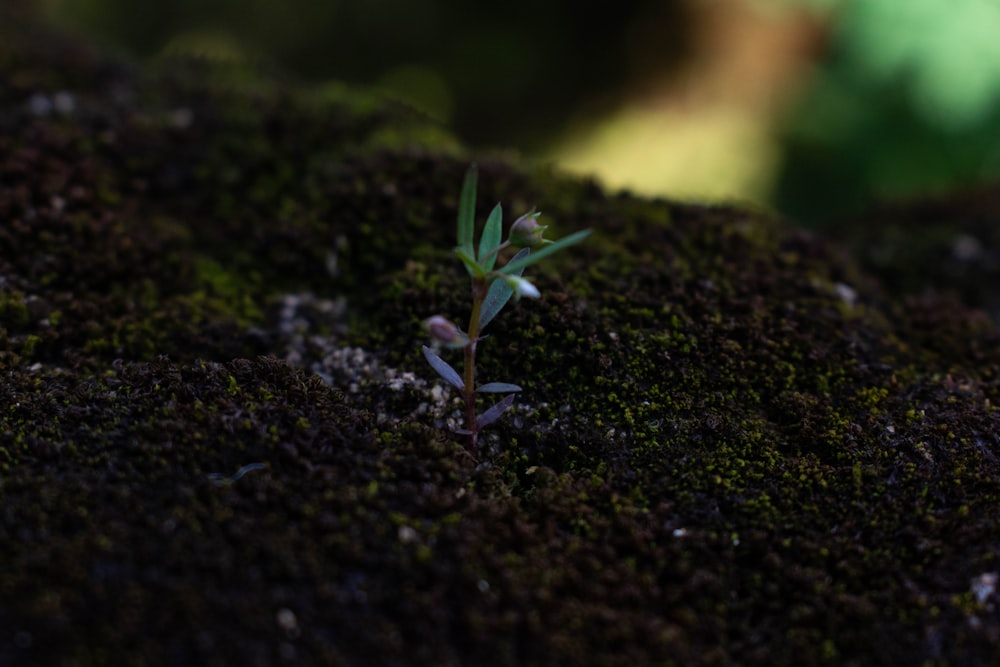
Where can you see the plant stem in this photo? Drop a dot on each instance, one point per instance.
(495, 251)
(478, 295)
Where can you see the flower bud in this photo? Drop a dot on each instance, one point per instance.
(526, 232)
(522, 287)
(445, 331)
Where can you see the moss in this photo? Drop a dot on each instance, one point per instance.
(734, 444)
(938, 244)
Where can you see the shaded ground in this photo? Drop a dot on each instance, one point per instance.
(219, 443)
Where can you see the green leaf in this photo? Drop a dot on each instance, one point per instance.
(471, 265)
(499, 294)
(492, 234)
(497, 388)
(467, 212)
(519, 264)
(443, 368)
(495, 412)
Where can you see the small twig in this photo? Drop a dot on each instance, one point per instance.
(221, 480)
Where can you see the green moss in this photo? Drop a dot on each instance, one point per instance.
(13, 310)
(732, 446)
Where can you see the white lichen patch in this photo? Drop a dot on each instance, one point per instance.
(397, 394)
(984, 586)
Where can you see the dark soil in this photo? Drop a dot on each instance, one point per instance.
(219, 442)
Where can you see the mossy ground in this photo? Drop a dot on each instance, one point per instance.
(733, 447)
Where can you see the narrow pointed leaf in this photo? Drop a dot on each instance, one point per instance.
(497, 388)
(471, 265)
(444, 369)
(519, 265)
(492, 234)
(467, 212)
(495, 412)
(499, 294)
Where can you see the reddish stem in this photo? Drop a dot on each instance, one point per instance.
(478, 296)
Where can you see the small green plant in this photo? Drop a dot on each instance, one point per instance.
(492, 288)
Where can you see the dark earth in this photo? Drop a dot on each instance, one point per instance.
(738, 443)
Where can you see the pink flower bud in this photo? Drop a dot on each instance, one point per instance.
(526, 232)
(445, 331)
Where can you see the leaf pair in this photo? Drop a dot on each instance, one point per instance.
(451, 376)
(479, 265)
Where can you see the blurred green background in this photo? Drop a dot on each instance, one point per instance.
(818, 108)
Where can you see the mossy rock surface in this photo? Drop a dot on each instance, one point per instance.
(219, 442)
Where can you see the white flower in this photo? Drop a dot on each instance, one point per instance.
(522, 287)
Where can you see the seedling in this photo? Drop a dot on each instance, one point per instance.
(492, 288)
